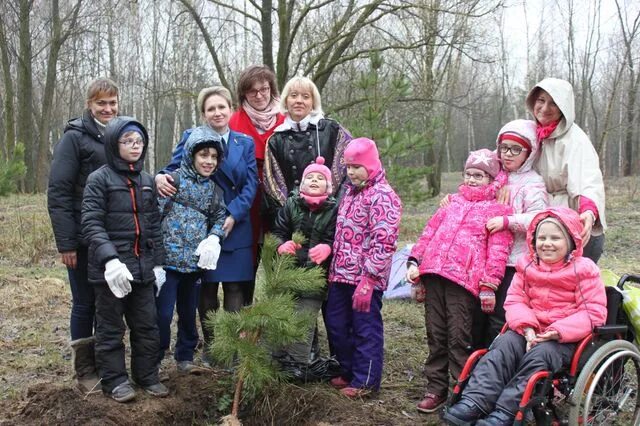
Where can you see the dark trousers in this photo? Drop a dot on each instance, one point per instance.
(301, 352)
(448, 317)
(486, 327)
(83, 308)
(357, 338)
(499, 379)
(233, 301)
(139, 310)
(594, 248)
(182, 291)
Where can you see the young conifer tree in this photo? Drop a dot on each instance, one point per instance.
(246, 339)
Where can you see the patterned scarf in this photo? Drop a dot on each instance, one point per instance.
(265, 119)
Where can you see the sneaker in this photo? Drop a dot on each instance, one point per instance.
(157, 389)
(463, 413)
(186, 367)
(123, 392)
(497, 418)
(206, 360)
(339, 382)
(431, 403)
(353, 393)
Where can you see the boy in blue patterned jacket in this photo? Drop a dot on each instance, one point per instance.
(192, 222)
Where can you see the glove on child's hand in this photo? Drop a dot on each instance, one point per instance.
(362, 296)
(118, 278)
(161, 278)
(319, 253)
(418, 292)
(288, 247)
(412, 273)
(209, 252)
(487, 300)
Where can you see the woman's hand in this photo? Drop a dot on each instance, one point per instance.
(546, 336)
(495, 224)
(228, 225)
(446, 200)
(587, 218)
(412, 274)
(70, 259)
(529, 336)
(164, 184)
(503, 194)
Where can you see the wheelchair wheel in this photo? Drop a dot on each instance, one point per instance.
(606, 391)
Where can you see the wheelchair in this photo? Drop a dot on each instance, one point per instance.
(600, 387)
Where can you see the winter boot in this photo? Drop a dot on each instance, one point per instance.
(84, 365)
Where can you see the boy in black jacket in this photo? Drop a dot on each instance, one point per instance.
(121, 223)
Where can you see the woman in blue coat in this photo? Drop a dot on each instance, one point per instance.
(237, 177)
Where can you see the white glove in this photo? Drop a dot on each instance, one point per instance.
(209, 252)
(118, 277)
(161, 278)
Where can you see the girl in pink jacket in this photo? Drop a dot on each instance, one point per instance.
(556, 298)
(458, 261)
(363, 247)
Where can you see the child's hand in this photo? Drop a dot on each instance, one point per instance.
(319, 253)
(503, 195)
(412, 274)
(118, 277)
(495, 224)
(487, 300)
(289, 247)
(529, 336)
(546, 336)
(446, 200)
(209, 252)
(418, 292)
(70, 259)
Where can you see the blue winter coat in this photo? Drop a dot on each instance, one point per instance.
(196, 211)
(237, 177)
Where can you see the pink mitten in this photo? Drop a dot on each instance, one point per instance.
(362, 295)
(487, 300)
(289, 247)
(319, 253)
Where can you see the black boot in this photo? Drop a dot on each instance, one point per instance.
(84, 364)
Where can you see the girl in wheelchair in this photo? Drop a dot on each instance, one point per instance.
(556, 298)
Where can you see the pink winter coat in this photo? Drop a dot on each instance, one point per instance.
(456, 245)
(568, 297)
(366, 233)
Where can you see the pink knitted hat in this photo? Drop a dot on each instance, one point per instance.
(485, 160)
(363, 151)
(318, 167)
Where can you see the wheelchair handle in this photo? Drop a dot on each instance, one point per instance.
(628, 277)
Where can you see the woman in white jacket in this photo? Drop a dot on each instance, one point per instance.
(567, 160)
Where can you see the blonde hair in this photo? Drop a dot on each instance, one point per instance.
(207, 92)
(306, 84)
(101, 87)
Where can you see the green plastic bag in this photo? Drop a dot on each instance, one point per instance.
(630, 299)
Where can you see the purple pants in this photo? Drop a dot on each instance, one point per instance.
(357, 338)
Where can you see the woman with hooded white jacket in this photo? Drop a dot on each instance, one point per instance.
(568, 162)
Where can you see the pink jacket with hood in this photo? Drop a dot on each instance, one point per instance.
(527, 192)
(567, 296)
(456, 245)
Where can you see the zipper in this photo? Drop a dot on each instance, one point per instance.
(132, 193)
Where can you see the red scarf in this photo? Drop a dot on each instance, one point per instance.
(543, 132)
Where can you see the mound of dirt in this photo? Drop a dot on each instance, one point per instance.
(193, 400)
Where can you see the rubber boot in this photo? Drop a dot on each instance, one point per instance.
(84, 365)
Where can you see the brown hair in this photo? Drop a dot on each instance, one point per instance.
(101, 87)
(251, 76)
(210, 91)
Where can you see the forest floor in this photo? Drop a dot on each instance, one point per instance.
(35, 369)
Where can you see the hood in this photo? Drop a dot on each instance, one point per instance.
(111, 134)
(526, 129)
(85, 124)
(562, 93)
(571, 221)
(202, 135)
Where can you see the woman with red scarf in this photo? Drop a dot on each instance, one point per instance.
(568, 162)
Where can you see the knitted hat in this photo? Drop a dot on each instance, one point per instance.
(484, 160)
(318, 167)
(131, 127)
(363, 151)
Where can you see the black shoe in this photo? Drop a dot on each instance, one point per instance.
(157, 389)
(465, 412)
(497, 418)
(124, 392)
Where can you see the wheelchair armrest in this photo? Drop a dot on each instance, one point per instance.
(628, 277)
(606, 330)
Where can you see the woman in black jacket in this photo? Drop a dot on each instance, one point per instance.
(79, 152)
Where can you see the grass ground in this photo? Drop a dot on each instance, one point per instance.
(35, 373)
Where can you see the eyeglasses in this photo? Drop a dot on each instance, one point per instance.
(474, 176)
(515, 150)
(264, 91)
(129, 142)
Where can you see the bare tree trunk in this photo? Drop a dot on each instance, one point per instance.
(25, 120)
(9, 111)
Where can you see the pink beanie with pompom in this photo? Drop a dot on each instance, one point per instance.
(318, 167)
(363, 151)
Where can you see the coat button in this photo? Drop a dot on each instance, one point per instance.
(294, 167)
(291, 151)
(297, 182)
(233, 188)
(310, 147)
(290, 137)
(308, 133)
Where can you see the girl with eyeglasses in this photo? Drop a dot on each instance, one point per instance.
(457, 261)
